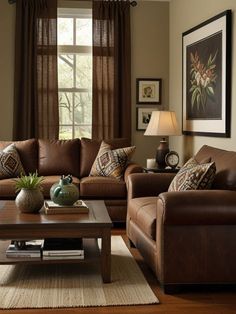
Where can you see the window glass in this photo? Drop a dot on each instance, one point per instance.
(84, 32)
(83, 71)
(65, 70)
(65, 31)
(75, 73)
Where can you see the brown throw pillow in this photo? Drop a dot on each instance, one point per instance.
(111, 163)
(10, 164)
(193, 176)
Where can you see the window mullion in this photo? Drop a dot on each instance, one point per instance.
(74, 76)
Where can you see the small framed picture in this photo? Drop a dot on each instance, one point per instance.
(148, 91)
(143, 118)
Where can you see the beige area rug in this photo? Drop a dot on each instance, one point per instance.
(75, 285)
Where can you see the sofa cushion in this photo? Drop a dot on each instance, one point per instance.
(10, 163)
(102, 188)
(225, 161)
(193, 176)
(111, 163)
(57, 157)
(89, 151)
(7, 188)
(50, 180)
(28, 152)
(142, 211)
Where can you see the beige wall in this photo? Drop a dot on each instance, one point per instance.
(7, 29)
(149, 59)
(185, 14)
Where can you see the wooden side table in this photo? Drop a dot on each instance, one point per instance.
(158, 170)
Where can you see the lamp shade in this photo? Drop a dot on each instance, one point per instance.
(162, 123)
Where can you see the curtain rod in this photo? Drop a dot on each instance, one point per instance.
(133, 3)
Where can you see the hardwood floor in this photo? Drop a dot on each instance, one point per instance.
(206, 301)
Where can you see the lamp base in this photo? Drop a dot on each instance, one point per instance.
(162, 150)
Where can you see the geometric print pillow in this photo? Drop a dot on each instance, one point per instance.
(10, 164)
(111, 163)
(194, 176)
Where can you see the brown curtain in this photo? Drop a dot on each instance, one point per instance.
(36, 112)
(111, 70)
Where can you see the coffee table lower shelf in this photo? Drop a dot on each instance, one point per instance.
(91, 254)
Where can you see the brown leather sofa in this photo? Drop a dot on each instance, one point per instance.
(186, 237)
(53, 158)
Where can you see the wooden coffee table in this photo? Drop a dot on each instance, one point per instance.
(15, 225)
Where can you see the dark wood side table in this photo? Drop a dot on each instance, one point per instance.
(158, 170)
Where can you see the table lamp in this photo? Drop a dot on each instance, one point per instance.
(162, 123)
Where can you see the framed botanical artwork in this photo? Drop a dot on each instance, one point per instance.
(207, 77)
(148, 91)
(143, 118)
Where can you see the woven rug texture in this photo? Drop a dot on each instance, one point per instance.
(75, 285)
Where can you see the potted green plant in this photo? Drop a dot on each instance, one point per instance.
(30, 197)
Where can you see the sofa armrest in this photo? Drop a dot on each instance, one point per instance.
(201, 207)
(148, 184)
(132, 168)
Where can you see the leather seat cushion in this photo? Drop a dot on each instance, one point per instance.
(142, 212)
(102, 187)
(7, 189)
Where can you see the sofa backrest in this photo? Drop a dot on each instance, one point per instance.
(28, 151)
(89, 150)
(225, 166)
(57, 157)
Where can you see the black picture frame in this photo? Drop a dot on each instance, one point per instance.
(206, 77)
(148, 91)
(143, 116)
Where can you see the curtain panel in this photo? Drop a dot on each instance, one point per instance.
(111, 70)
(36, 112)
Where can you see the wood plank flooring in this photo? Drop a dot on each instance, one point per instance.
(208, 301)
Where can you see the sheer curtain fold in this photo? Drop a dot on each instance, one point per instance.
(36, 112)
(111, 70)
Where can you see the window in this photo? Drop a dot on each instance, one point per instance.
(75, 72)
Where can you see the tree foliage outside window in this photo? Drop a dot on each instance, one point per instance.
(75, 73)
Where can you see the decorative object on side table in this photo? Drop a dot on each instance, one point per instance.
(172, 159)
(162, 123)
(64, 192)
(151, 163)
(30, 197)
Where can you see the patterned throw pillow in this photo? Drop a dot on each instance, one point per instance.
(111, 163)
(10, 164)
(193, 176)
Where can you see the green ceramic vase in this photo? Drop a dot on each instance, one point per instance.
(64, 192)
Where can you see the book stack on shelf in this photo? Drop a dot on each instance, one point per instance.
(27, 248)
(79, 207)
(65, 248)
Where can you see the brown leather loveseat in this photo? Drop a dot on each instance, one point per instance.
(53, 158)
(186, 237)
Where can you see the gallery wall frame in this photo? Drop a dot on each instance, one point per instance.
(206, 79)
(148, 90)
(143, 116)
